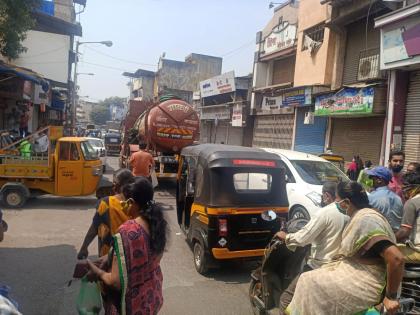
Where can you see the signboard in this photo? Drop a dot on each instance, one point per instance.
(282, 37)
(237, 116)
(271, 103)
(41, 97)
(215, 114)
(347, 101)
(299, 97)
(400, 44)
(221, 84)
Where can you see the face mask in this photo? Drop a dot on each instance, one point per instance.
(397, 169)
(340, 208)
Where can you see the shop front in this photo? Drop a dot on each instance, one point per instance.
(356, 117)
(400, 55)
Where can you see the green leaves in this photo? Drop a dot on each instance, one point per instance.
(15, 21)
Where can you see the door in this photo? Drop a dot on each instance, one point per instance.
(69, 170)
(310, 138)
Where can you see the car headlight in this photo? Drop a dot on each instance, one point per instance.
(315, 197)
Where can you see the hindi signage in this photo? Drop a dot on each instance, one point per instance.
(215, 113)
(348, 101)
(298, 97)
(281, 37)
(237, 115)
(221, 84)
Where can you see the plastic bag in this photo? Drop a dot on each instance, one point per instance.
(89, 300)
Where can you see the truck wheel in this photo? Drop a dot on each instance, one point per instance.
(200, 258)
(14, 198)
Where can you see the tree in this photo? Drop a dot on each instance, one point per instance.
(100, 114)
(15, 20)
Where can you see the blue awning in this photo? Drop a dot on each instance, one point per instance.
(25, 74)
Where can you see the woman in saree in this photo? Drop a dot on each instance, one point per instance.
(135, 259)
(108, 217)
(367, 271)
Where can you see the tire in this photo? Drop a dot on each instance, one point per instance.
(14, 198)
(299, 212)
(255, 290)
(200, 258)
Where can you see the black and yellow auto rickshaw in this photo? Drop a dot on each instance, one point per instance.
(335, 159)
(224, 196)
(113, 143)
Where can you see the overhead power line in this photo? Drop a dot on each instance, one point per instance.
(239, 48)
(120, 59)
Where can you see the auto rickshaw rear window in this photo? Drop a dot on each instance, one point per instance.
(252, 182)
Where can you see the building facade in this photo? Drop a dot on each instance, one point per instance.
(400, 56)
(224, 109)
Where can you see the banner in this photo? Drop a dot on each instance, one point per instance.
(221, 84)
(272, 103)
(299, 97)
(237, 116)
(347, 101)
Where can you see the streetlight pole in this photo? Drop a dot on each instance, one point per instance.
(107, 43)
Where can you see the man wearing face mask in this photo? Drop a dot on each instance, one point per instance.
(323, 231)
(383, 199)
(396, 165)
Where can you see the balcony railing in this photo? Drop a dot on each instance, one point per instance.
(369, 63)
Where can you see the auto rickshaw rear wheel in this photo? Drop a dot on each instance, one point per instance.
(200, 258)
(14, 198)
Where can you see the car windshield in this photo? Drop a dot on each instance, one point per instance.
(95, 142)
(317, 172)
(89, 153)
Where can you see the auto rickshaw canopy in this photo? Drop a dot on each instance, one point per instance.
(212, 168)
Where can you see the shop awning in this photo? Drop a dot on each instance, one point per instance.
(25, 74)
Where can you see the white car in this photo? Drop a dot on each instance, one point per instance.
(305, 175)
(99, 147)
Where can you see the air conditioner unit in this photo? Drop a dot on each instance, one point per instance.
(368, 68)
(309, 118)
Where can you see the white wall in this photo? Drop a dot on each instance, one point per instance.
(47, 54)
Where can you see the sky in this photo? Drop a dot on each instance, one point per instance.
(141, 30)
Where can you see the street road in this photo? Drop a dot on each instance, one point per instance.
(38, 255)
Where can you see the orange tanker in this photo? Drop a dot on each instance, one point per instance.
(169, 126)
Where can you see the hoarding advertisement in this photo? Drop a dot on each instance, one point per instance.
(297, 98)
(348, 101)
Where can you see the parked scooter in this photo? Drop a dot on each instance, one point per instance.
(280, 266)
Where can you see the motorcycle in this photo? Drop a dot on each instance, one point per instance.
(410, 286)
(279, 266)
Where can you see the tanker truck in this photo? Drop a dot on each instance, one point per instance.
(166, 128)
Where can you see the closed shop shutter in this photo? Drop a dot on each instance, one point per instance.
(273, 131)
(283, 70)
(220, 132)
(357, 136)
(356, 42)
(205, 131)
(235, 135)
(310, 138)
(411, 134)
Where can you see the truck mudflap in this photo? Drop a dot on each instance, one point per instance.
(104, 188)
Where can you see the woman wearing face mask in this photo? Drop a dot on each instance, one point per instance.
(368, 261)
(138, 248)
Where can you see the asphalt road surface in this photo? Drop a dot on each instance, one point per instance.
(38, 255)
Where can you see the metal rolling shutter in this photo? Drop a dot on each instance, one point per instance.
(220, 132)
(235, 136)
(357, 136)
(310, 138)
(273, 131)
(411, 134)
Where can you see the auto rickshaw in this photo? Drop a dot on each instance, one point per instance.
(335, 159)
(223, 193)
(113, 143)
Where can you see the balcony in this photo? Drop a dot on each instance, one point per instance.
(368, 68)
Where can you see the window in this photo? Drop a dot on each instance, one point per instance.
(69, 152)
(317, 173)
(248, 182)
(313, 37)
(89, 153)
